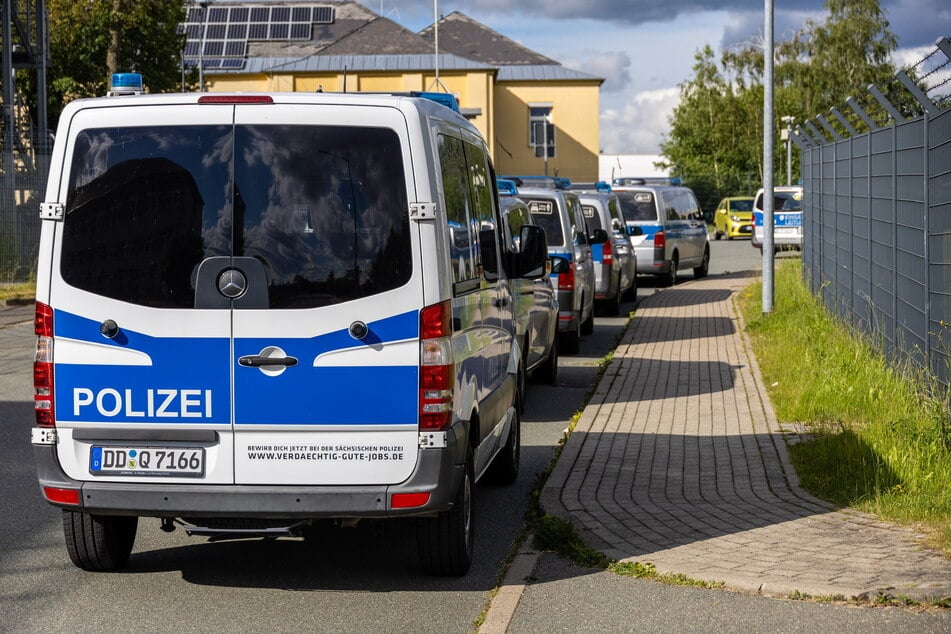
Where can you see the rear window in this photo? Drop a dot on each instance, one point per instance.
(638, 206)
(323, 208)
(741, 205)
(592, 217)
(545, 214)
(782, 201)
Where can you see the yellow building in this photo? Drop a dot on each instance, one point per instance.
(508, 91)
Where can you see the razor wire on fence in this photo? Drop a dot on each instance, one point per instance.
(877, 213)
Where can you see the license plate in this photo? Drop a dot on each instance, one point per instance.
(186, 462)
(786, 231)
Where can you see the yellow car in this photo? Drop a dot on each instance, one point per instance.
(733, 218)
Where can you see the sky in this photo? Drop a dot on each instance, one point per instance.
(645, 48)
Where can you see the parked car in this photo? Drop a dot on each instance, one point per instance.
(615, 265)
(536, 304)
(572, 266)
(259, 311)
(733, 218)
(787, 217)
(674, 234)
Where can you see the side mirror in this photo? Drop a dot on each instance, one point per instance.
(634, 230)
(532, 260)
(600, 236)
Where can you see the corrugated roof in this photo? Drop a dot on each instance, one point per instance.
(543, 72)
(337, 63)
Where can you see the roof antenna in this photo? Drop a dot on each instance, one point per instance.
(436, 81)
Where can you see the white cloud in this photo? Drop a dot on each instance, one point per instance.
(613, 66)
(638, 126)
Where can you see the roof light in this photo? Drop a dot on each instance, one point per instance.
(506, 187)
(444, 98)
(125, 84)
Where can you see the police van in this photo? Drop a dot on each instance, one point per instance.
(673, 234)
(787, 217)
(257, 311)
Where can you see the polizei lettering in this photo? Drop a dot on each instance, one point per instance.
(149, 403)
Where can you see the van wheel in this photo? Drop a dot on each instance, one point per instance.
(587, 326)
(504, 467)
(99, 543)
(548, 371)
(445, 541)
(571, 341)
(701, 271)
(670, 279)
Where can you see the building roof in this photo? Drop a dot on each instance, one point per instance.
(338, 63)
(544, 72)
(461, 35)
(379, 36)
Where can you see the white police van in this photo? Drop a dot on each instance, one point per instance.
(256, 311)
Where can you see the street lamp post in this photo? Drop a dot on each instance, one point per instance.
(201, 48)
(787, 136)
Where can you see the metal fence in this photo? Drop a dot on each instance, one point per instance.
(877, 216)
(23, 176)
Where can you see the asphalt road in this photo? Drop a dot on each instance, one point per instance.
(359, 580)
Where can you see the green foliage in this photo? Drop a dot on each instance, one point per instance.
(715, 141)
(85, 36)
(879, 437)
(555, 534)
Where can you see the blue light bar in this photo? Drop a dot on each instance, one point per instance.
(444, 98)
(125, 84)
(506, 187)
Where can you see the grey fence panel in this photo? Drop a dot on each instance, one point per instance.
(877, 236)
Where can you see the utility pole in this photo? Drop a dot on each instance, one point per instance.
(768, 200)
(787, 136)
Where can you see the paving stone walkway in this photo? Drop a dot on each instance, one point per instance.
(678, 460)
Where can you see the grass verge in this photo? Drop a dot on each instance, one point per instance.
(879, 438)
(17, 290)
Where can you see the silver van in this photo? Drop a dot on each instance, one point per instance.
(536, 305)
(572, 266)
(674, 235)
(260, 311)
(615, 264)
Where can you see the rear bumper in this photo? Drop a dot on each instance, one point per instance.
(438, 472)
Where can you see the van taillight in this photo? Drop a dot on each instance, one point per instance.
(43, 367)
(566, 277)
(607, 253)
(437, 367)
(660, 240)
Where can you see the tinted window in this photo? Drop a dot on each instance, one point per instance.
(783, 201)
(545, 214)
(323, 208)
(741, 205)
(638, 206)
(592, 217)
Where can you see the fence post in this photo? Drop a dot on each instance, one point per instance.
(862, 114)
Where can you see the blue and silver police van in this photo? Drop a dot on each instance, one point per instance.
(260, 311)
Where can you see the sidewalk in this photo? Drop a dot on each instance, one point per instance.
(678, 461)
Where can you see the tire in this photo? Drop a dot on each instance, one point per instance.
(717, 235)
(670, 278)
(700, 272)
(99, 543)
(505, 465)
(587, 326)
(571, 341)
(445, 542)
(547, 372)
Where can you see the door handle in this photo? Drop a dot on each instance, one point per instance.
(256, 361)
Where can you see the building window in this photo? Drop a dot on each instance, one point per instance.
(541, 131)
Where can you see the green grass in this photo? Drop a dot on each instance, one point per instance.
(16, 291)
(880, 440)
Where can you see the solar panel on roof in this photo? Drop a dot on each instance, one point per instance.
(217, 14)
(240, 14)
(279, 31)
(215, 31)
(280, 14)
(323, 15)
(301, 14)
(237, 31)
(257, 32)
(260, 14)
(301, 31)
(232, 64)
(235, 48)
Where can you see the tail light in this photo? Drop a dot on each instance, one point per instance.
(660, 240)
(43, 367)
(437, 367)
(607, 253)
(566, 277)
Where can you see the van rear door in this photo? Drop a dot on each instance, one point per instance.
(326, 355)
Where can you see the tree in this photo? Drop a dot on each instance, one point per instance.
(91, 39)
(715, 138)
